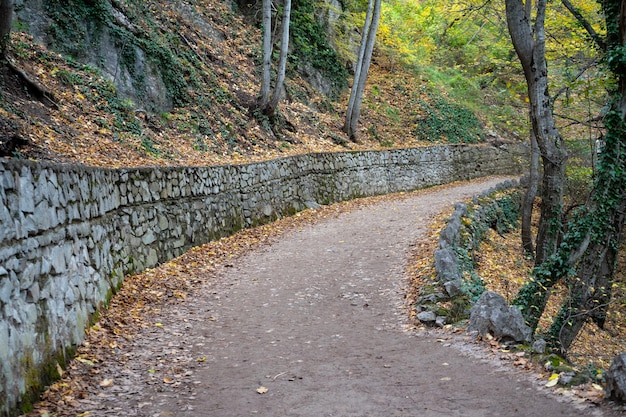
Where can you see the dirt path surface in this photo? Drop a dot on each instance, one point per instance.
(315, 322)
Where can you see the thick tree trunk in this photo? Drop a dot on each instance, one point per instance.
(596, 255)
(589, 295)
(530, 47)
(6, 18)
(529, 44)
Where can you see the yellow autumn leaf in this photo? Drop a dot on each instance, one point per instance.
(262, 390)
(553, 380)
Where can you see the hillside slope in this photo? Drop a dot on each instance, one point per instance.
(171, 83)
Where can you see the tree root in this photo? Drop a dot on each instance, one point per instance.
(34, 88)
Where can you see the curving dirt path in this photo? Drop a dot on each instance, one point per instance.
(316, 319)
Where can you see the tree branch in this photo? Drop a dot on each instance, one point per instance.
(597, 39)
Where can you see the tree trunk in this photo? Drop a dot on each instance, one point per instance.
(529, 197)
(591, 291)
(6, 18)
(357, 72)
(529, 44)
(267, 54)
(282, 62)
(592, 243)
(358, 85)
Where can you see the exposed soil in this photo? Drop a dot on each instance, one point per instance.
(314, 324)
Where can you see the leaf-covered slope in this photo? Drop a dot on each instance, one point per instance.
(202, 59)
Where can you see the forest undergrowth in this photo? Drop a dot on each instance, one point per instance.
(501, 264)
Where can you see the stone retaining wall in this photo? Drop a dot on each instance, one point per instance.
(69, 234)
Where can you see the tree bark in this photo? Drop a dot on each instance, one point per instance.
(529, 44)
(357, 72)
(267, 54)
(591, 290)
(529, 197)
(530, 47)
(282, 62)
(358, 86)
(6, 19)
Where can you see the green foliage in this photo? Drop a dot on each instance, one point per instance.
(149, 146)
(74, 22)
(446, 120)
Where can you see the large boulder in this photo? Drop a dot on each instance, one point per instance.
(491, 314)
(616, 379)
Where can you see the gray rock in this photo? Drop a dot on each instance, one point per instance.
(453, 288)
(539, 346)
(430, 298)
(427, 317)
(446, 265)
(449, 236)
(616, 379)
(440, 321)
(566, 377)
(492, 314)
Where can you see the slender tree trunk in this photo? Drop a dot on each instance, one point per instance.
(352, 118)
(282, 62)
(267, 54)
(529, 197)
(6, 18)
(358, 69)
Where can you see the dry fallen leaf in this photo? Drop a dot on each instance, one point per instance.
(262, 390)
(106, 383)
(60, 371)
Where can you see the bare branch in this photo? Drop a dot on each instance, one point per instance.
(597, 39)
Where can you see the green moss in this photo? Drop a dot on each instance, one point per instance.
(37, 377)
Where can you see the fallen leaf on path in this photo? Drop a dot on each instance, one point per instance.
(106, 383)
(262, 390)
(553, 380)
